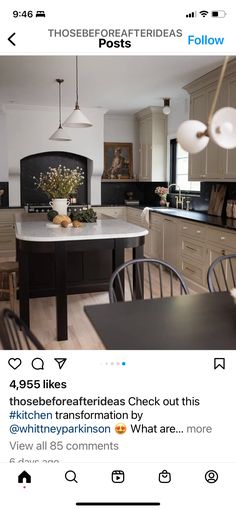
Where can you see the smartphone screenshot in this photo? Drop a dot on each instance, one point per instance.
(117, 256)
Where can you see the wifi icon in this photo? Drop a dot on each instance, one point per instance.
(204, 13)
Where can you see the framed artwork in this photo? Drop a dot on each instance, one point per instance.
(118, 160)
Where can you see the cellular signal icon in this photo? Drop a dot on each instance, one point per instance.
(204, 13)
(192, 14)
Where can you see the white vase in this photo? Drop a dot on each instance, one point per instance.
(60, 205)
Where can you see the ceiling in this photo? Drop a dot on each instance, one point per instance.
(119, 84)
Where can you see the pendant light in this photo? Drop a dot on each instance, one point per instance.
(77, 119)
(194, 135)
(166, 107)
(60, 135)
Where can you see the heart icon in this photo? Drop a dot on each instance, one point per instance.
(14, 363)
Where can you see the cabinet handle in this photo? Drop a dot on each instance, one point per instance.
(198, 231)
(203, 175)
(223, 252)
(190, 248)
(191, 270)
(185, 228)
(222, 238)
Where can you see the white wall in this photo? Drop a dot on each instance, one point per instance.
(179, 113)
(28, 132)
(123, 128)
(25, 130)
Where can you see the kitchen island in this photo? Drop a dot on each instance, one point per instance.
(57, 261)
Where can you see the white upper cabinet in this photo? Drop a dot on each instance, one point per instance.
(213, 163)
(215, 155)
(230, 100)
(197, 165)
(152, 144)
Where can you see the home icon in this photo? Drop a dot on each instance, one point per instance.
(24, 477)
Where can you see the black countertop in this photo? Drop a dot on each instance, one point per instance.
(201, 217)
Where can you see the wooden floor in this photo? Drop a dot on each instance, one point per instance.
(81, 333)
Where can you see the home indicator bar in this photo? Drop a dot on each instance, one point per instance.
(118, 504)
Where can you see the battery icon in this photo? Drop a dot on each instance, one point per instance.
(218, 14)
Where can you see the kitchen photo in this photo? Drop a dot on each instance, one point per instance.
(117, 202)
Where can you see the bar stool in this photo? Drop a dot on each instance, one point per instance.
(8, 279)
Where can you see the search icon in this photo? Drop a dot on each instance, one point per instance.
(70, 476)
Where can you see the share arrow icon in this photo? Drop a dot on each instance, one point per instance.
(60, 362)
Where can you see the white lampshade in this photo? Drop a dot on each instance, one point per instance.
(223, 128)
(187, 136)
(60, 135)
(166, 110)
(77, 119)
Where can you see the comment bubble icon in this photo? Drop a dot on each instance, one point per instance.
(37, 364)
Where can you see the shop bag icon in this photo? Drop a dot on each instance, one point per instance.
(164, 476)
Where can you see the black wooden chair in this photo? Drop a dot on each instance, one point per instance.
(221, 275)
(14, 334)
(145, 279)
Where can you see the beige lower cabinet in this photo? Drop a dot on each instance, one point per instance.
(156, 237)
(199, 246)
(147, 245)
(7, 239)
(190, 247)
(221, 242)
(7, 233)
(170, 241)
(192, 252)
(113, 212)
(134, 216)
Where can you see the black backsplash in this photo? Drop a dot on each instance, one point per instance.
(114, 193)
(32, 166)
(201, 203)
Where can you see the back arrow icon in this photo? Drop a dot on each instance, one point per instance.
(10, 38)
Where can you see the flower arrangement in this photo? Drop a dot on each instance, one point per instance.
(162, 192)
(60, 182)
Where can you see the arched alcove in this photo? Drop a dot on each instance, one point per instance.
(31, 166)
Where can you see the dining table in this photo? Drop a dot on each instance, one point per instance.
(192, 321)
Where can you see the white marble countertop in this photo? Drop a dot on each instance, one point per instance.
(43, 231)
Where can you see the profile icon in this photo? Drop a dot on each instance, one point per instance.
(211, 476)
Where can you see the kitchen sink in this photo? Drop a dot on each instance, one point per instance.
(170, 210)
(165, 209)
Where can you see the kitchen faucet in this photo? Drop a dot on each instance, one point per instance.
(179, 200)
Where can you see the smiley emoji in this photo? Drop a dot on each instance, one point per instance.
(120, 428)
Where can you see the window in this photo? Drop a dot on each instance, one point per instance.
(179, 168)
